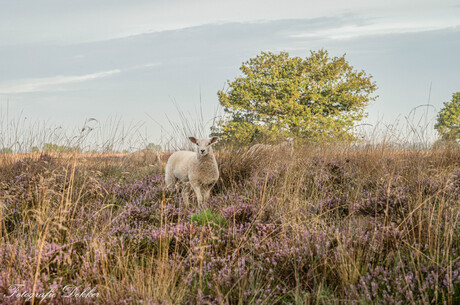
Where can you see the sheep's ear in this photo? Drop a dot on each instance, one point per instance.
(192, 139)
(214, 140)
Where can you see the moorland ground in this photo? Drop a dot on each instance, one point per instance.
(332, 225)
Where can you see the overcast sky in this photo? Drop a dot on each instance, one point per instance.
(66, 61)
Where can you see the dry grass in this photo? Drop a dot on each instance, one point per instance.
(331, 225)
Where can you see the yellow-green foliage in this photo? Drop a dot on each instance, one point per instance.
(319, 97)
(448, 121)
(51, 147)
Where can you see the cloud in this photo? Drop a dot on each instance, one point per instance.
(70, 22)
(49, 83)
(355, 31)
(149, 65)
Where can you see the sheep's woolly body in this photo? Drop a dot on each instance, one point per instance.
(178, 166)
(204, 171)
(197, 171)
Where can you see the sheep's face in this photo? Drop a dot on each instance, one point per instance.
(203, 146)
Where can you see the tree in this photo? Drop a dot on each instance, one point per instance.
(153, 146)
(51, 147)
(448, 120)
(318, 97)
(6, 150)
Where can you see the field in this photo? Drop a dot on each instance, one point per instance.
(332, 225)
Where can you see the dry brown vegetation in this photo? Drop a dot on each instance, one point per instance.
(331, 225)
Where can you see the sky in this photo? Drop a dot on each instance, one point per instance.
(149, 63)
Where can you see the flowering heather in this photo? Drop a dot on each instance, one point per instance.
(327, 227)
(408, 283)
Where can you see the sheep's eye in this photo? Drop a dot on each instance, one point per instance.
(209, 143)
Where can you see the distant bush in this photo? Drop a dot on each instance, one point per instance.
(6, 150)
(51, 147)
(153, 146)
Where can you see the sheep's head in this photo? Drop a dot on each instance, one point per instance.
(203, 146)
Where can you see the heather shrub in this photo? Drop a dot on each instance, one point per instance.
(423, 282)
(327, 226)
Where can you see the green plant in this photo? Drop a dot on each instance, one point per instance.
(209, 217)
(448, 120)
(6, 150)
(319, 97)
(51, 147)
(153, 146)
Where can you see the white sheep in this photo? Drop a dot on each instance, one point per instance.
(197, 170)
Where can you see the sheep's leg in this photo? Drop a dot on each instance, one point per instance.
(186, 193)
(199, 196)
(206, 195)
(170, 180)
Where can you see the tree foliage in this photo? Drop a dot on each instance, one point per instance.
(51, 147)
(316, 98)
(153, 146)
(448, 120)
(6, 150)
